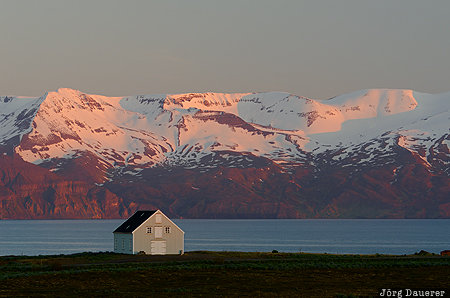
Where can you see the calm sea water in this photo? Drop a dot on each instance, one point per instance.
(44, 237)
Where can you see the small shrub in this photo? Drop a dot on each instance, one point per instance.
(423, 253)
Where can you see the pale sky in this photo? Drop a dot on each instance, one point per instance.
(314, 48)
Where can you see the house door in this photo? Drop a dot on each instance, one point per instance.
(158, 232)
(158, 247)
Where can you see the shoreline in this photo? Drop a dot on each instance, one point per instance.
(231, 252)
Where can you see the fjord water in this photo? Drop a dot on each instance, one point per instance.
(365, 236)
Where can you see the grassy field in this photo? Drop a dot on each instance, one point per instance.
(219, 274)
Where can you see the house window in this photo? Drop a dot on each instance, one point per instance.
(158, 218)
(131, 244)
(116, 244)
(123, 244)
(149, 230)
(167, 230)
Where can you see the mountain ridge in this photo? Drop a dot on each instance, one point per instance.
(111, 143)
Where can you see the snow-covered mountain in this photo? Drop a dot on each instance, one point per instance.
(287, 142)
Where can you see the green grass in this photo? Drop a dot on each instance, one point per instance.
(212, 274)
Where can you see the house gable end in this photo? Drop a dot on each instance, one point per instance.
(154, 214)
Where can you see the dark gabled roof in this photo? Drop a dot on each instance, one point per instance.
(134, 221)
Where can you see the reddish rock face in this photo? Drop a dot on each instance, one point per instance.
(268, 191)
(31, 192)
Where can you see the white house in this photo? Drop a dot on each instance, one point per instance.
(151, 232)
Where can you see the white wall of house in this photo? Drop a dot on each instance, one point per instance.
(158, 235)
(123, 243)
